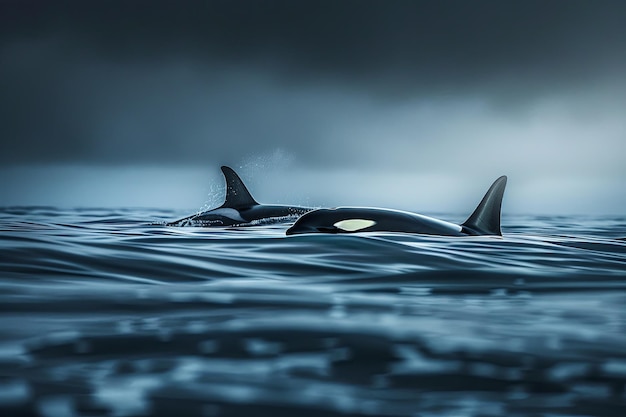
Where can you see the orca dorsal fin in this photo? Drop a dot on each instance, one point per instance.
(237, 195)
(485, 220)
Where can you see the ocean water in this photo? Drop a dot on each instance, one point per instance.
(110, 313)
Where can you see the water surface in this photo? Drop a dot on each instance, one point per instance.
(109, 313)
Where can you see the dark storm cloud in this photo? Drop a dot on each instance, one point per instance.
(443, 40)
(157, 81)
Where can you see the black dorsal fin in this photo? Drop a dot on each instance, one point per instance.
(237, 195)
(485, 220)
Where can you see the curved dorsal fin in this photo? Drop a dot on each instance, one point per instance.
(485, 220)
(237, 195)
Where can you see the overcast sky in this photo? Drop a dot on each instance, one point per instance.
(407, 104)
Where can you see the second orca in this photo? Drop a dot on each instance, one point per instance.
(485, 220)
(240, 208)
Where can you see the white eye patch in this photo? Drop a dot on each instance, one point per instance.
(353, 225)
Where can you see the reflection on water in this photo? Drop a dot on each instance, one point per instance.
(104, 314)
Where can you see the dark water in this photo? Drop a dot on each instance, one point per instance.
(103, 314)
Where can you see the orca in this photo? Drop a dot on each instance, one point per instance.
(240, 208)
(485, 220)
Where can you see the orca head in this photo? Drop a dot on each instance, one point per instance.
(329, 221)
